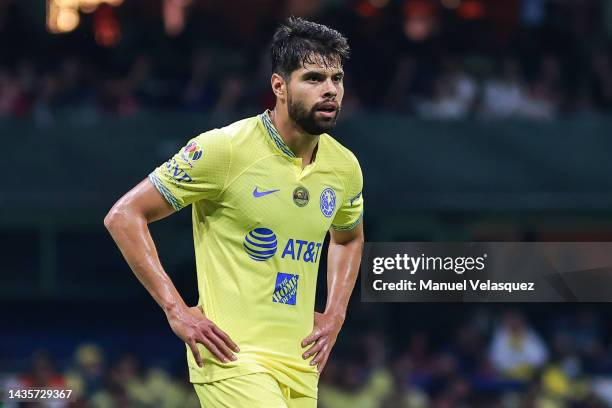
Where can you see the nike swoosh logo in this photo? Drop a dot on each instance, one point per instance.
(258, 194)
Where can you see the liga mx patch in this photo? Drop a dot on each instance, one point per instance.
(285, 290)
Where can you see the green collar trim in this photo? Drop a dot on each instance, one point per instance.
(276, 138)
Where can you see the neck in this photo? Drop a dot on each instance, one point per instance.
(301, 143)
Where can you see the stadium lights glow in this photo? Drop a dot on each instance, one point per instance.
(88, 6)
(451, 4)
(67, 4)
(379, 3)
(67, 20)
(174, 15)
(63, 15)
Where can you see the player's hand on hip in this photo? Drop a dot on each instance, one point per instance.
(190, 324)
(323, 337)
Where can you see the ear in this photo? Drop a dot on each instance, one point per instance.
(279, 86)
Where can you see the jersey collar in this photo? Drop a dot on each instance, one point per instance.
(274, 135)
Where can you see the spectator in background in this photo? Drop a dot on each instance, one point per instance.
(353, 388)
(85, 377)
(73, 87)
(361, 379)
(504, 95)
(543, 96)
(467, 345)
(402, 393)
(27, 79)
(601, 81)
(123, 385)
(582, 104)
(164, 391)
(517, 351)
(454, 395)
(419, 355)
(43, 376)
(454, 94)
(578, 338)
(464, 86)
(444, 103)
(126, 385)
(231, 101)
(200, 94)
(260, 95)
(146, 89)
(45, 103)
(400, 89)
(117, 97)
(10, 93)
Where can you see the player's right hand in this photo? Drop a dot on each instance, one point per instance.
(191, 326)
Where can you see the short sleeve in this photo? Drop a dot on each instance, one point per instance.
(197, 172)
(351, 212)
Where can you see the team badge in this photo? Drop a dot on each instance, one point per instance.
(285, 289)
(260, 244)
(328, 202)
(192, 152)
(300, 196)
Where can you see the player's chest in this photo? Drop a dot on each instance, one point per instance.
(286, 198)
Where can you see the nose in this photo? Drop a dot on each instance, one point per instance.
(331, 90)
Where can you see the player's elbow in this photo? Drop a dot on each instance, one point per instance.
(111, 220)
(117, 217)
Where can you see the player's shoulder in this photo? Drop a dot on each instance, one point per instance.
(241, 128)
(229, 133)
(341, 152)
(229, 138)
(341, 158)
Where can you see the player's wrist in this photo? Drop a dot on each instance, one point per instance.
(173, 308)
(337, 315)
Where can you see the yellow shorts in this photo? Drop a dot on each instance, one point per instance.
(258, 390)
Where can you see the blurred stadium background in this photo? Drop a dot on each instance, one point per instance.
(473, 120)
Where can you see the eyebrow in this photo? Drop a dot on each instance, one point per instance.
(320, 74)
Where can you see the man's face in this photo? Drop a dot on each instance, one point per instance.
(314, 96)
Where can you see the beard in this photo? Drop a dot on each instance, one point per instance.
(307, 119)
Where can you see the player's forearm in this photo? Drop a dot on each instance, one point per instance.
(342, 269)
(130, 232)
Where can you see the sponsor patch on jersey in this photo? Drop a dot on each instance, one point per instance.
(301, 196)
(285, 290)
(192, 152)
(328, 202)
(301, 250)
(174, 170)
(260, 244)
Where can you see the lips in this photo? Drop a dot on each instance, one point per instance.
(327, 107)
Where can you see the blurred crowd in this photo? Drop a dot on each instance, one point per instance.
(486, 360)
(447, 89)
(535, 59)
(78, 86)
(95, 382)
(505, 89)
(489, 360)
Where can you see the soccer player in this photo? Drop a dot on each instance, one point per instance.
(264, 191)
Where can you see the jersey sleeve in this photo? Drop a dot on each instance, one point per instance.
(349, 215)
(197, 172)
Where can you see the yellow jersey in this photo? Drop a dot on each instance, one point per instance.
(259, 221)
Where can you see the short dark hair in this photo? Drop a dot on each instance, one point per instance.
(299, 41)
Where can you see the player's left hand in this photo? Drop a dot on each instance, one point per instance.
(324, 335)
